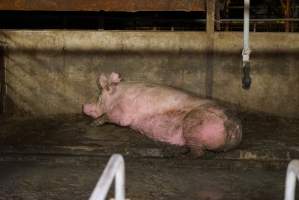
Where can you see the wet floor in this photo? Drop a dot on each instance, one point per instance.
(61, 157)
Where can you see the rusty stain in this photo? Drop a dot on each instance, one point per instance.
(105, 5)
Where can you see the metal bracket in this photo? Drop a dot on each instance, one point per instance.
(246, 55)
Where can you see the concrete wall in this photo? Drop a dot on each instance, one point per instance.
(52, 72)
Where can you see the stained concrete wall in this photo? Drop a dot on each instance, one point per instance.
(52, 72)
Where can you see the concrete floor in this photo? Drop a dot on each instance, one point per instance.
(147, 179)
(61, 157)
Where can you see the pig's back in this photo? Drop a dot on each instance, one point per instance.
(151, 98)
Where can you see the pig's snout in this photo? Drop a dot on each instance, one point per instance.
(91, 110)
(86, 109)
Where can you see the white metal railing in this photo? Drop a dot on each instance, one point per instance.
(114, 169)
(292, 176)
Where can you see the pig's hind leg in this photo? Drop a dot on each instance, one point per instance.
(191, 121)
(100, 121)
(204, 129)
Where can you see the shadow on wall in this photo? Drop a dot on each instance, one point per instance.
(61, 83)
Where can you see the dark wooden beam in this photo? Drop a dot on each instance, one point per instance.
(105, 5)
(210, 29)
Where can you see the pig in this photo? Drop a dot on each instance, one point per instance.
(165, 114)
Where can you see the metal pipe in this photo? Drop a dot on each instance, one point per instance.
(292, 176)
(114, 169)
(256, 20)
(246, 80)
(246, 50)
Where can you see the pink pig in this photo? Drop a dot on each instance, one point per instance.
(165, 114)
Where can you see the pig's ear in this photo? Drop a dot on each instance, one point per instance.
(114, 78)
(103, 82)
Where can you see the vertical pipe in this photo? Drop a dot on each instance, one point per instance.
(246, 79)
(246, 31)
(217, 15)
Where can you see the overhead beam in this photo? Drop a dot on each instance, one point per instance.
(102, 5)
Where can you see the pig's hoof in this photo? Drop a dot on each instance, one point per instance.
(96, 123)
(100, 121)
(93, 124)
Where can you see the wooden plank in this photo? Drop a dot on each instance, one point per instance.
(105, 5)
(210, 29)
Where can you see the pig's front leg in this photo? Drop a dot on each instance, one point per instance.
(100, 121)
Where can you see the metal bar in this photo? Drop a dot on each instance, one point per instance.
(246, 79)
(114, 169)
(246, 50)
(259, 20)
(292, 176)
(105, 5)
